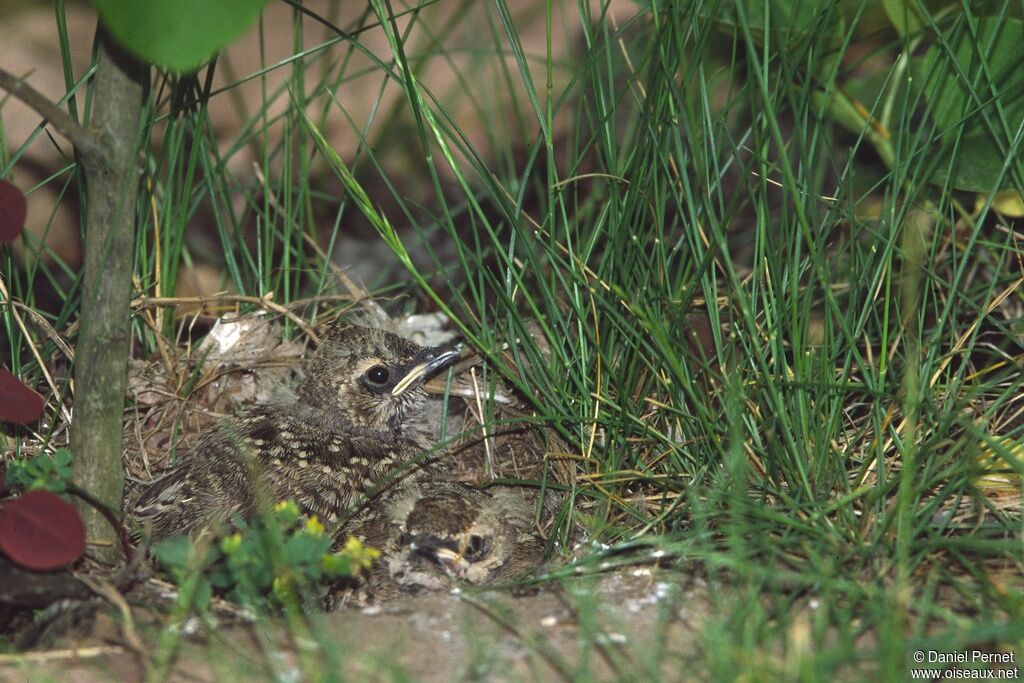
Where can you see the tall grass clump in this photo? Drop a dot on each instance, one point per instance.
(769, 252)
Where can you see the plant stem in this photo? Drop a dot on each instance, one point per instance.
(103, 342)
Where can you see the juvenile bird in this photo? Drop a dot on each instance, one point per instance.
(354, 423)
(434, 534)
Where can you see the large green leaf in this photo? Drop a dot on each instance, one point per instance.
(179, 35)
(975, 92)
(904, 15)
(978, 166)
(794, 21)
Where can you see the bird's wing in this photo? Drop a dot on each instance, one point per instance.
(206, 487)
(161, 492)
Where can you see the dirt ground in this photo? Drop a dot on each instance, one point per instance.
(598, 628)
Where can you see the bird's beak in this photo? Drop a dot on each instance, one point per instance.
(433, 360)
(451, 561)
(437, 551)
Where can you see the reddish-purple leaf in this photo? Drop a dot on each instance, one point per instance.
(40, 531)
(18, 403)
(12, 212)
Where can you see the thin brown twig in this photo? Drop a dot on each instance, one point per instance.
(47, 329)
(85, 140)
(109, 592)
(264, 302)
(358, 293)
(35, 353)
(54, 655)
(155, 323)
(109, 515)
(489, 455)
(297, 304)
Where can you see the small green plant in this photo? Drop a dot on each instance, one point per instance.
(269, 563)
(41, 473)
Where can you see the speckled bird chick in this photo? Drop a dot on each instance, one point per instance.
(354, 422)
(435, 534)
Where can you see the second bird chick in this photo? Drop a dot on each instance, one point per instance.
(469, 534)
(355, 421)
(434, 535)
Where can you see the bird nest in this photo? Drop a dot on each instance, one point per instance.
(483, 429)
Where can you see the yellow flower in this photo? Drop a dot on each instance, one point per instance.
(230, 544)
(314, 527)
(287, 511)
(360, 553)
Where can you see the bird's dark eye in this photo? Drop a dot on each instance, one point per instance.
(378, 375)
(477, 548)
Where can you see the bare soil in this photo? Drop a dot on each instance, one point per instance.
(606, 627)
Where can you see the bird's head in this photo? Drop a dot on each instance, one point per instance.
(371, 378)
(469, 536)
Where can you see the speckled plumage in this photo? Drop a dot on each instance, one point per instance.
(435, 534)
(353, 423)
